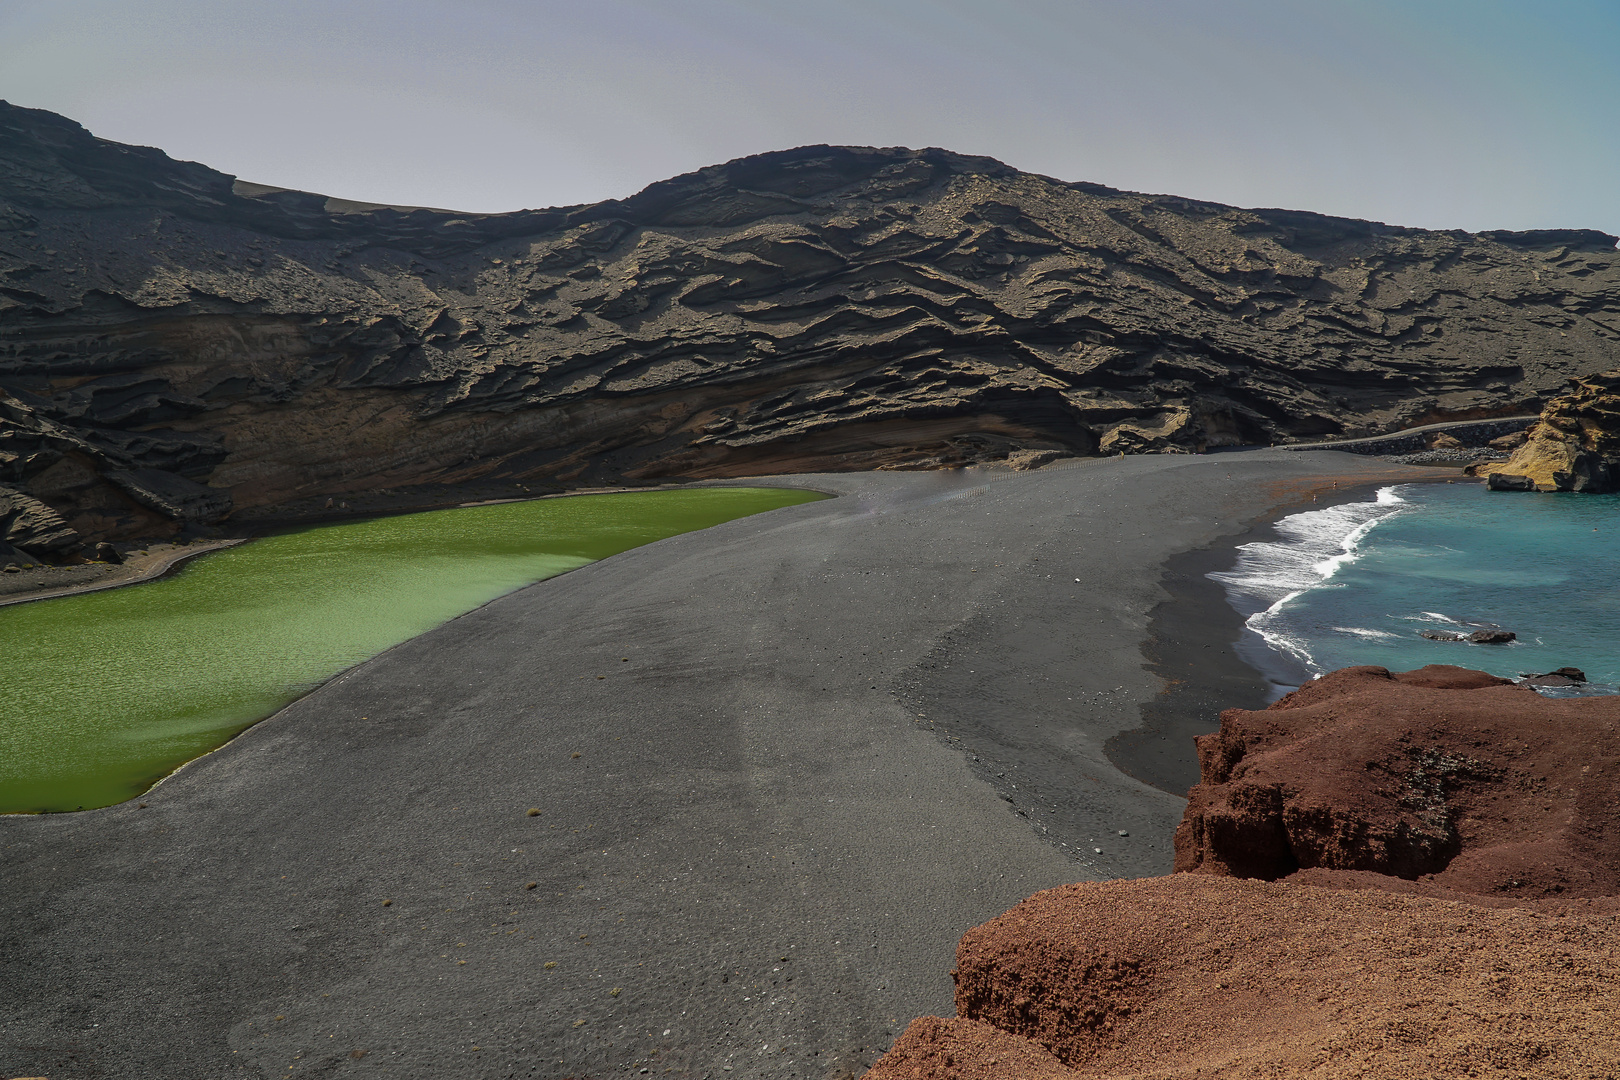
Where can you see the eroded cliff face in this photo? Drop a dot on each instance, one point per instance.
(1575, 446)
(819, 308)
(1443, 781)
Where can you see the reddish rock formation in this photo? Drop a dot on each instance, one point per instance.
(1193, 975)
(1444, 776)
(1449, 856)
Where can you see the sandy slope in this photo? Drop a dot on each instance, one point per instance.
(752, 850)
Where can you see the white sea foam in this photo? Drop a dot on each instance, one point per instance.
(1357, 631)
(1314, 546)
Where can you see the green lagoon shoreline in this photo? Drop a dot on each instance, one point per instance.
(111, 688)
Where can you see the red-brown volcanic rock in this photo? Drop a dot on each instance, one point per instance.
(1449, 845)
(933, 1048)
(1193, 975)
(1440, 776)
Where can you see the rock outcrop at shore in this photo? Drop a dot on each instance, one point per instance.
(1383, 874)
(1574, 447)
(1446, 779)
(818, 308)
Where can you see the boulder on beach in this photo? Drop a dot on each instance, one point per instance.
(1509, 442)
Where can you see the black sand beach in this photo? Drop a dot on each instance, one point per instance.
(781, 765)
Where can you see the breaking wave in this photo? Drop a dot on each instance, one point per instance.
(1312, 547)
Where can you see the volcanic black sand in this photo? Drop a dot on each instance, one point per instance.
(781, 766)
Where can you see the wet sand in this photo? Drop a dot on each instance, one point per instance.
(780, 766)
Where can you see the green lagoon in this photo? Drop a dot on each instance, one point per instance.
(105, 693)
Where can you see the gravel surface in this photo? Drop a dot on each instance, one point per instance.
(780, 766)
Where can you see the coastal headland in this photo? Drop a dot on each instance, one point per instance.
(721, 805)
(1393, 874)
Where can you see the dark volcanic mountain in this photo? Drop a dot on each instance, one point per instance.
(169, 335)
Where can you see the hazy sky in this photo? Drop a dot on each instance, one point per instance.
(1467, 114)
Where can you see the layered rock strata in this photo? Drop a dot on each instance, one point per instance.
(1574, 447)
(1383, 874)
(819, 308)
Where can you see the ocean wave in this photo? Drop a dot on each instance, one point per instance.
(1313, 547)
(1358, 631)
(1440, 619)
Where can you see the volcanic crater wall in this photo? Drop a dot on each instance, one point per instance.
(818, 308)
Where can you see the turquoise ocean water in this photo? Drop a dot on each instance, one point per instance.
(1358, 583)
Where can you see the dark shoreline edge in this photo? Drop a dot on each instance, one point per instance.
(1195, 643)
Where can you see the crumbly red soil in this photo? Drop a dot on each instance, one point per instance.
(1447, 849)
(1196, 975)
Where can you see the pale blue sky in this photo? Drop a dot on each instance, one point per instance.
(1467, 114)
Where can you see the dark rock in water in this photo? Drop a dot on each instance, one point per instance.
(27, 523)
(1501, 481)
(1492, 637)
(108, 554)
(1547, 680)
(1564, 676)
(1478, 637)
(173, 496)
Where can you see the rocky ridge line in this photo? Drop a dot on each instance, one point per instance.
(818, 308)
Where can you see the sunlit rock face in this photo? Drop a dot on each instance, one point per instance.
(1574, 447)
(819, 308)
